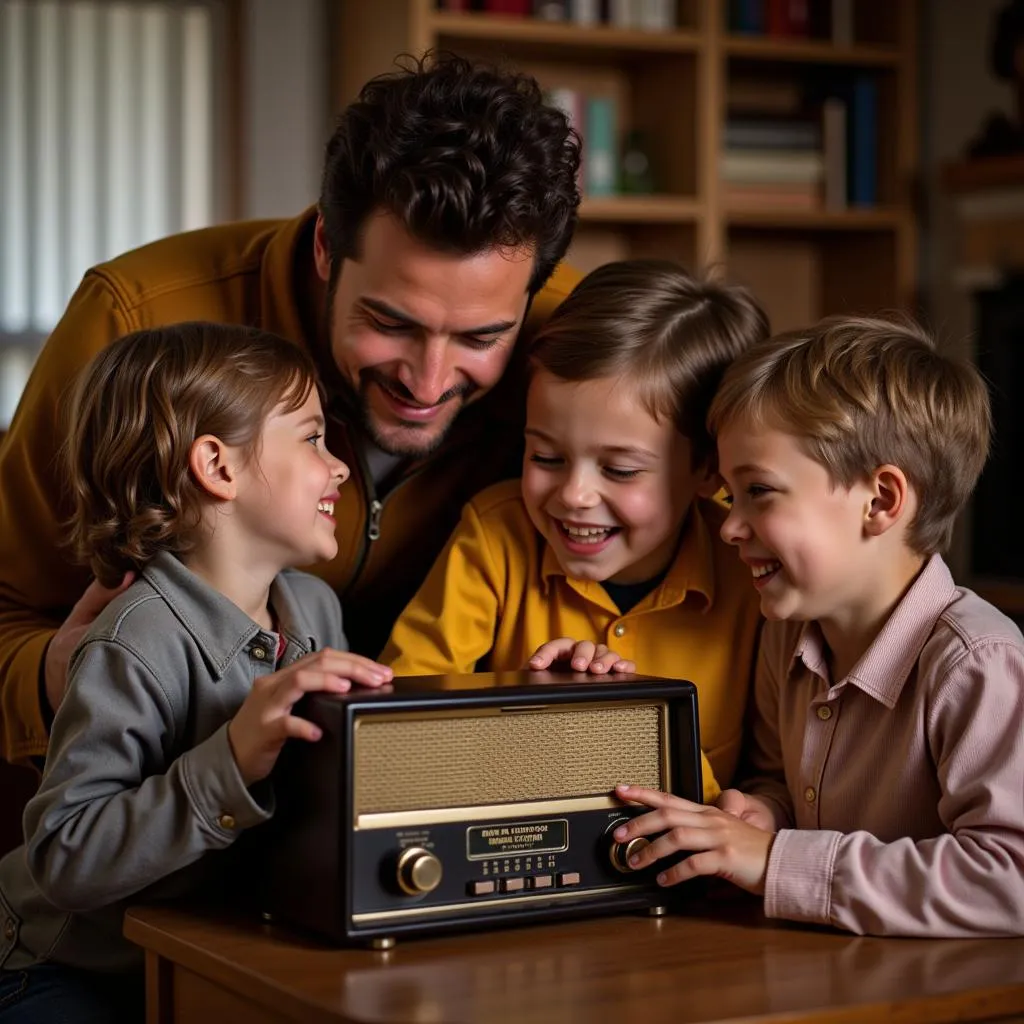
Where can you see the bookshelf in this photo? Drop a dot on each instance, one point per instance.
(674, 87)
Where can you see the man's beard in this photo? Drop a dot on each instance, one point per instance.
(406, 448)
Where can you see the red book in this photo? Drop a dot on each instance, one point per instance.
(777, 17)
(798, 17)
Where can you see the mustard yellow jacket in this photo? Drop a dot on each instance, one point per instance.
(497, 593)
(246, 273)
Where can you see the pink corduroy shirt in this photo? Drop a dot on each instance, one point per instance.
(898, 791)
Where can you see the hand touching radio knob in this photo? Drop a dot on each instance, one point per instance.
(621, 852)
(419, 871)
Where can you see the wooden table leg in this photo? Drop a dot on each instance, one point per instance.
(159, 994)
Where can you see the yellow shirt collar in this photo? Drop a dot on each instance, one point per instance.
(692, 570)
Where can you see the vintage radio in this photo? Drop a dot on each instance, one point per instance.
(472, 801)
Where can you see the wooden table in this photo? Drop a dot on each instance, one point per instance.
(715, 963)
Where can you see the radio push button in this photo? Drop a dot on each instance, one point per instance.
(481, 888)
(569, 878)
(512, 884)
(541, 881)
(419, 871)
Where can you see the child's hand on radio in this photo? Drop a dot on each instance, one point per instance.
(720, 843)
(264, 721)
(582, 656)
(750, 809)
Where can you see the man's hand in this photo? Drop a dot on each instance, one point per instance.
(264, 721)
(65, 640)
(582, 656)
(721, 843)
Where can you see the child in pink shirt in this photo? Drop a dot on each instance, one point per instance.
(885, 790)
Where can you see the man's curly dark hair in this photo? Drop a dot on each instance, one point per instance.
(467, 156)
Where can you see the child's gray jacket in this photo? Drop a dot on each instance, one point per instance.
(140, 782)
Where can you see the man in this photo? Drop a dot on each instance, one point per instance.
(448, 198)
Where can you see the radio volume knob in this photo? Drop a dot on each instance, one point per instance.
(419, 871)
(621, 852)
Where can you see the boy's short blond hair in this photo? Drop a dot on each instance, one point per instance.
(863, 392)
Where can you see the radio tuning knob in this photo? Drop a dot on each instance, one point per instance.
(419, 871)
(621, 852)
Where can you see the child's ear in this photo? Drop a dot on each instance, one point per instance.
(890, 501)
(211, 463)
(711, 481)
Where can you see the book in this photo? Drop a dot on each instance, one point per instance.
(772, 133)
(862, 139)
(551, 10)
(585, 12)
(600, 148)
(571, 103)
(842, 22)
(833, 119)
(781, 97)
(747, 17)
(800, 196)
(655, 15)
(751, 166)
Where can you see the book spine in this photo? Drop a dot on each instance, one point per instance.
(551, 10)
(599, 141)
(863, 163)
(842, 22)
(761, 166)
(780, 134)
(833, 117)
(585, 12)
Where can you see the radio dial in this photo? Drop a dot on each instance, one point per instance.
(621, 852)
(419, 871)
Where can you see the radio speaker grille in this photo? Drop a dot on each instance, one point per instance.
(429, 762)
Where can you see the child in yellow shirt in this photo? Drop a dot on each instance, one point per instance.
(611, 538)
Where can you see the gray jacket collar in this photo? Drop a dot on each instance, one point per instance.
(220, 629)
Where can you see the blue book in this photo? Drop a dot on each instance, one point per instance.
(746, 17)
(863, 142)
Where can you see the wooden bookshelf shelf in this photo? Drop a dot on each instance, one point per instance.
(641, 210)
(875, 219)
(677, 91)
(811, 51)
(601, 38)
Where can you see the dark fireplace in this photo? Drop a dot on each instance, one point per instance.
(999, 319)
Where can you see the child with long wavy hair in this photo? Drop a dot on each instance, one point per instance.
(197, 464)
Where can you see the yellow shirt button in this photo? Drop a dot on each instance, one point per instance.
(824, 713)
(810, 794)
(259, 653)
(619, 630)
(9, 929)
(227, 821)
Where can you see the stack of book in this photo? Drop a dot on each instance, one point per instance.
(773, 162)
(648, 15)
(796, 147)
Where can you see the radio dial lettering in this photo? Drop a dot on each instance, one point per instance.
(419, 871)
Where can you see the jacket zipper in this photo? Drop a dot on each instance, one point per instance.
(375, 508)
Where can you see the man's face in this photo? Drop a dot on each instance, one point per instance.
(419, 333)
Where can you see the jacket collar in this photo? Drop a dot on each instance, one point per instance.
(885, 667)
(219, 628)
